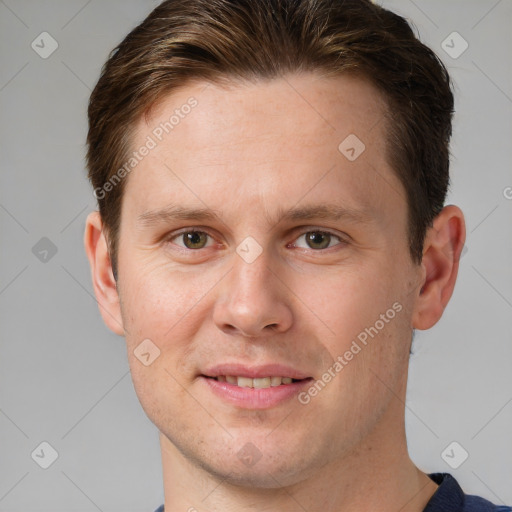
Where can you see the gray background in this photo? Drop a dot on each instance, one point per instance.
(64, 376)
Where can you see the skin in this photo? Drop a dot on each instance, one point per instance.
(248, 151)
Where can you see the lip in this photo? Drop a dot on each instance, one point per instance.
(255, 372)
(253, 398)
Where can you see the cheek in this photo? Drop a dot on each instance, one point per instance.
(364, 315)
(168, 308)
(156, 300)
(347, 301)
(164, 307)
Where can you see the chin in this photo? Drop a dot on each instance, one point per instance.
(262, 475)
(274, 466)
(252, 456)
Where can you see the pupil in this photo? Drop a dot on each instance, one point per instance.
(193, 238)
(316, 238)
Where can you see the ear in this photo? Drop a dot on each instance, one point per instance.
(103, 281)
(440, 264)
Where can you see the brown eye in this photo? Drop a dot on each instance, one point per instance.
(317, 240)
(194, 239)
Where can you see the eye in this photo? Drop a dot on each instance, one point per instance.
(318, 240)
(191, 239)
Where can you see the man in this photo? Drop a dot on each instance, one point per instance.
(271, 178)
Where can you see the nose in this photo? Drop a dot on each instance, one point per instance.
(253, 300)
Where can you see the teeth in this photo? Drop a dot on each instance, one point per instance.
(259, 383)
(275, 381)
(244, 382)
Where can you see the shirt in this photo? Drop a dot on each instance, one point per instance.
(449, 497)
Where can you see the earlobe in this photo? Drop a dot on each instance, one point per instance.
(442, 249)
(103, 281)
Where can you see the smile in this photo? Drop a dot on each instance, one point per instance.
(254, 393)
(259, 383)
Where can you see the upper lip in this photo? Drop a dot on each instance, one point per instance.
(254, 372)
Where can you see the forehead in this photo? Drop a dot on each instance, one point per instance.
(295, 106)
(268, 141)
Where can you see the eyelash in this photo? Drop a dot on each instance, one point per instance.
(173, 236)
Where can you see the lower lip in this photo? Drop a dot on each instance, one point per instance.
(254, 398)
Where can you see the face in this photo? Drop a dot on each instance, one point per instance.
(276, 253)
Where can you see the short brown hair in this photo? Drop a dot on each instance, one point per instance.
(213, 40)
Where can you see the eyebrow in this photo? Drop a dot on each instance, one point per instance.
(170, 213)
(303, 213)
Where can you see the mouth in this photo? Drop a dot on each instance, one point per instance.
(257, 383)
(254, 387)
(256, 392)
